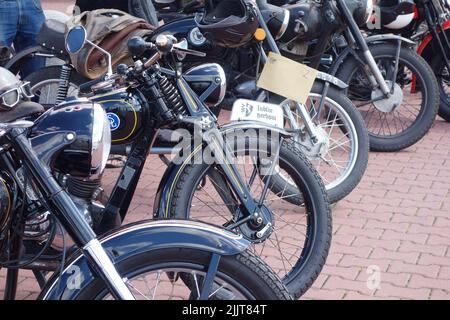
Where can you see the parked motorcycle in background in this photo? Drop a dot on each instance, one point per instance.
(427, 22)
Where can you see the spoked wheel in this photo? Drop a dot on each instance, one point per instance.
(443, 77)
(297, 242)
(158, 275)
(45, 84)
(341, 153)
(404, 118)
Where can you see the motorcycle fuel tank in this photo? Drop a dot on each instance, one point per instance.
(125, 115)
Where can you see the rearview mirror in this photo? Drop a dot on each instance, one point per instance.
(76, 39)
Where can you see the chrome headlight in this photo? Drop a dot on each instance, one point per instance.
(101, 139)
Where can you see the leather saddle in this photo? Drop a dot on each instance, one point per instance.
(52, 37)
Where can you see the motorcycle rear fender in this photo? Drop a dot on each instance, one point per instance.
(16, 62)
(140, 238)
(426, 46)
(171, 175)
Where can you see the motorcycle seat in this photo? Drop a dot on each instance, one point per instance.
(23, 110)
(52, 35)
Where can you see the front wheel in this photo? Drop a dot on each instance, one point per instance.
(397, 122)
(300, 237)
(161, 274)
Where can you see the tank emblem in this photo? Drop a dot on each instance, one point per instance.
(114, 121)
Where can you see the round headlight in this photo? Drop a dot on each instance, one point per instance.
(101, 139)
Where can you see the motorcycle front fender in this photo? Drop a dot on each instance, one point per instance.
(140, 238)
(171, 175)
(388, 37)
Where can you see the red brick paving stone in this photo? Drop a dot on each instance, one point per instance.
(430, 271)
(323, 294)
(396, 279)
(349, 273)
(390, 291)
(437, 294)
(400, 211)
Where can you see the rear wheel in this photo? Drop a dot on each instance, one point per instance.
(45, 83)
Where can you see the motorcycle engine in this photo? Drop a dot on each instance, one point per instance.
(79, 166)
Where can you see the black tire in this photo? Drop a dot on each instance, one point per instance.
(245, 271)
(344, 188)
(315, 251)
(438, 65)
(52, 74)
(428, 87)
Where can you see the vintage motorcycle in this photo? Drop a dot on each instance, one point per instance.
(427, 22)
(37, 217)
(335, 141)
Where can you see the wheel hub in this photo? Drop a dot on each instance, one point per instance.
(318, 149)
(258, 231)
(388, 105)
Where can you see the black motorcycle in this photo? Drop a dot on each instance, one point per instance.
(133, 132)
(44, 228)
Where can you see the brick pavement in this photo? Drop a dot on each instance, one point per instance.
(397, 223)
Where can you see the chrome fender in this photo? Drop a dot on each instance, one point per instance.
(137, 239)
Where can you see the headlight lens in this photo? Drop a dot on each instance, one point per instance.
(101, 140)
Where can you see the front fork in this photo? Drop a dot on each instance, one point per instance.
(376, 77)
(310, 126)
(225, 160)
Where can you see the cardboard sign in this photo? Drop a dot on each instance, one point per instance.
(287, 78)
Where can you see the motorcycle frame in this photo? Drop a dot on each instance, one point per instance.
(123, 192)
